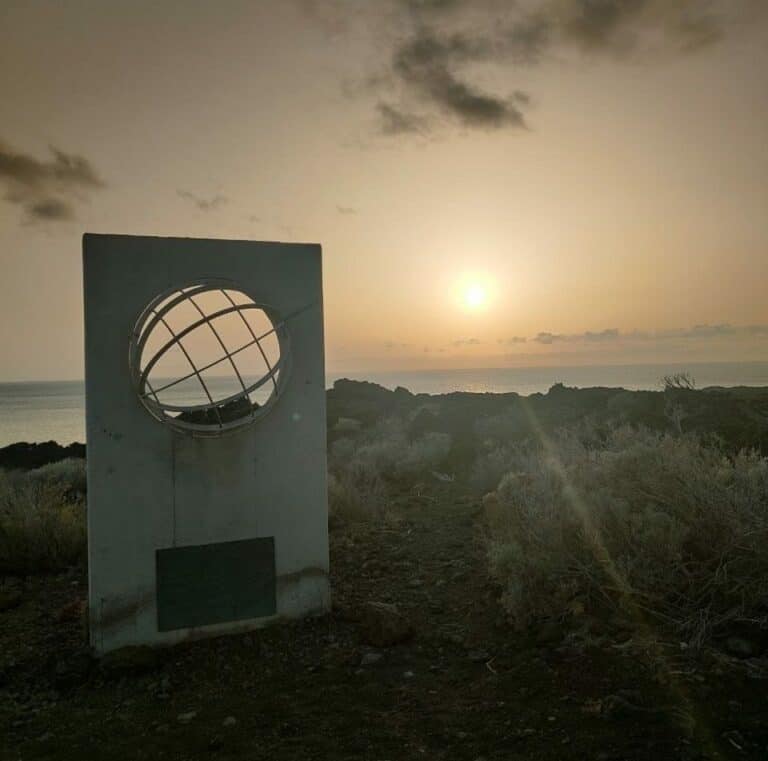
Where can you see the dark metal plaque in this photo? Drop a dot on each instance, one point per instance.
(215, 583)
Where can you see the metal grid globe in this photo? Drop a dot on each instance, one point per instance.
(159, 334)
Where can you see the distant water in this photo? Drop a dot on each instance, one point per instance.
(40, 411)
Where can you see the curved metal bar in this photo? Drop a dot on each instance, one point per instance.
(149, 395)
(220, 402)
(157, 399)
(213, 364)
(177, 340)
(256, 340)
(146, 329)
(178, 336)
(226, 351)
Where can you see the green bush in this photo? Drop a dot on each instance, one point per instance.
(668, 527)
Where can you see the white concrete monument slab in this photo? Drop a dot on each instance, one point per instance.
(205, 420)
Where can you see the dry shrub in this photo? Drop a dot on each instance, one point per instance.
(42, 521)
(69, 474)
(387, 449)
(356, 493)
(490, 467)
(366, 468)
(668, 525)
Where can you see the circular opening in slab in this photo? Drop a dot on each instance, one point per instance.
(207, 358)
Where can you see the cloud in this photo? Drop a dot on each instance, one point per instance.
(347, 210)
(467, 342)
(609, 334)
(513, 340)
(595, 23)
(47, 191)
(641, 26)
(391, 345)
(720, 330)
(435, 49)
(548, 338)
(527, 39)
(52, 209)
(426, 64)
(203, 204)
(393, 121)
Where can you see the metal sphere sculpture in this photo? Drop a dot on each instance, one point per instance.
(187, 337)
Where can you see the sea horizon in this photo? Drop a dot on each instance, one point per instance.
(44, 410)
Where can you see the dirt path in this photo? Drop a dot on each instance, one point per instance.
(464, 687)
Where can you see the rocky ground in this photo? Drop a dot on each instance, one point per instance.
(417, 660)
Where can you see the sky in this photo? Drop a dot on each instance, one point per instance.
(541, 182)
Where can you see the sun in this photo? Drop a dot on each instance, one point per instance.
(475, 296)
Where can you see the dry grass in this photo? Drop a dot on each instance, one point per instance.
(365, 469)
(42, 518)
(667, 525)
(356, 493)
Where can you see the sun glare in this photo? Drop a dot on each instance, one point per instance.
(475, 296)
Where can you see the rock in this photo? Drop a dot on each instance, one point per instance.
(230, 721)
(25, 456)
(740, 647)
(9, 599)
(382, 625)
(127, 661)
(186, 718)
(370, 658)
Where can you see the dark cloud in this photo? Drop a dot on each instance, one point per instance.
(46, 190)
(427, 6)
(426, 64)
(203, 204)
(527, 39)
(346, 210)
(595, 24)
(51, 209)
(436, 45)
(643, 26)
(393, 121)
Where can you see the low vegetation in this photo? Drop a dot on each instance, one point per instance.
(672, 529)
(365, 468)
(42, 518)
(650, 503)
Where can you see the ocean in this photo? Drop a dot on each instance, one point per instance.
(45, 410)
